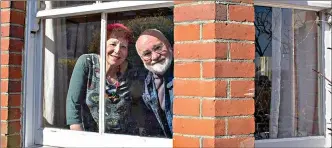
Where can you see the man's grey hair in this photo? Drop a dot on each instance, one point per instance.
(155, 33)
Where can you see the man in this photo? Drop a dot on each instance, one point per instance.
(156, 53)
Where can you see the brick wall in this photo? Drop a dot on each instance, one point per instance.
(12, 35)
(214, 74)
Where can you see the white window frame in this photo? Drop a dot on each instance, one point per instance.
(34, 135)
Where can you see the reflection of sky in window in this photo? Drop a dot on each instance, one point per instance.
(263, 23)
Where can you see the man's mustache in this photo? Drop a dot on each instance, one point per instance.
(157, 61)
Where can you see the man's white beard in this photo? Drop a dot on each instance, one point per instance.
(160, 68)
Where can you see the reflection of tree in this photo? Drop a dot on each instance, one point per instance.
(263, 27)
(264, 31)
(162, 22)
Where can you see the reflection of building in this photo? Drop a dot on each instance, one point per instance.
(214, 81)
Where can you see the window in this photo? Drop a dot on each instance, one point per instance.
(290, 97)
(75, 66)
(287, 95)
(289, 100)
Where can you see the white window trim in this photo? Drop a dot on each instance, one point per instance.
(297, 4)
(103, 7)
(64, 138)
(327, 60)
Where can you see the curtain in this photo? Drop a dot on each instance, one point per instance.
(64, 41)
(294, 100)
(54, 102)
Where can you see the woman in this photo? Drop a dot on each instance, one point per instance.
(83, 94)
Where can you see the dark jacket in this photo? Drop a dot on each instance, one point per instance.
(150, 98)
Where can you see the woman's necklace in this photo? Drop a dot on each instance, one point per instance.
(111, 91)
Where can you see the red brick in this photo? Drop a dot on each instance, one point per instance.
(18, 5)
(200, 51)
(242, 51)
(4, 85)
(242, 89)
(10, 100)
(186, 32)
(200, 88)
(241, 1)
(5, 16)
(180, 141)
(241, 126)
(11, 72)
(11, 45)
(228, 31)
(12, 127)
(10, 114)
(13, 4)
(200, 12)
(5, 31)
(4, 100)
(212, 127)
(187, 107)
(11, 86)
(14, 141)
(5, 4)
(4, 114)
(4, 127)
(13, 16)
(4, 140)
(228, 69)
(227, 107)
(17, 17)
(187, 70)
(241, 13)
(176, 2)
(12, 31)
(11, 58)
(229, 142)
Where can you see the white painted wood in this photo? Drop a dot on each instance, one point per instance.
(299, 4)
(102, 52)
(106, 7)
(66, 138)
(315, 141)
(327, 53)
(30, 76)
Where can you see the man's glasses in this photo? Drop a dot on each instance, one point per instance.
(147, 54)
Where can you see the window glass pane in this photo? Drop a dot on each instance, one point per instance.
(287, 102)
(126, 111)
(61, 4)
(69, 86)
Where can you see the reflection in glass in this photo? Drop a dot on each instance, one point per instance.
(287, 103)
(62, 4)
(125, 111)
(66, 79)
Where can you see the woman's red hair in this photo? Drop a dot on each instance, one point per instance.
(120, 27)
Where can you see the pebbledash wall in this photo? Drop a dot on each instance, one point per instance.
(213, 88)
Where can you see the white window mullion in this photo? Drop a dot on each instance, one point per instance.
(103, 33)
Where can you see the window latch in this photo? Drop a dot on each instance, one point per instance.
(35, 27)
